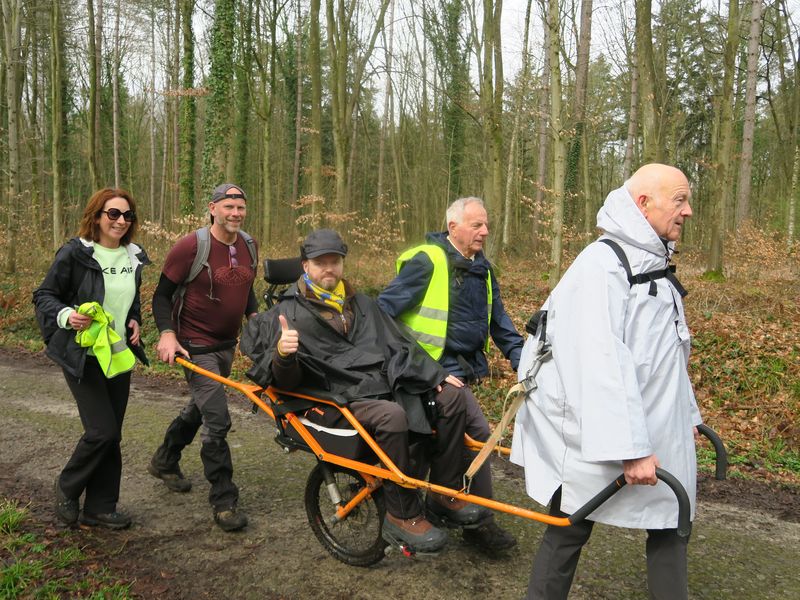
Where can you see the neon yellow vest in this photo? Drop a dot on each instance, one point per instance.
(427, 322)
(110, 350)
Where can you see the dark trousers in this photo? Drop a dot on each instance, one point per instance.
(208, 408)
(477, 427)
(95, 466)
(557, 558)
(386, 422)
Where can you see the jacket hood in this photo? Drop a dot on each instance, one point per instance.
(136, 253)
(437, 237)
(620, 219)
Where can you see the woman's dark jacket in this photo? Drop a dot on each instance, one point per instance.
(74, 278)
(373, 361)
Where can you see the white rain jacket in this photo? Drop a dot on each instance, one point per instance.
(617, 386)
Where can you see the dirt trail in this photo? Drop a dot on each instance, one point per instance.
(745, 543)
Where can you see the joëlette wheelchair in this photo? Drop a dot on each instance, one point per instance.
(343, 496)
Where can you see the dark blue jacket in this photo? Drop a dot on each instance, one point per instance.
(467, 327)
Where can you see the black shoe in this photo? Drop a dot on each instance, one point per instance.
(490, 538)
(174, 481)
(455, 512)
(230, 519)
(67, 509)
(112, 520)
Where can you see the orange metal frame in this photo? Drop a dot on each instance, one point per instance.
(372, 474)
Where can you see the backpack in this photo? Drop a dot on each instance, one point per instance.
(649, 277)
(201, 261)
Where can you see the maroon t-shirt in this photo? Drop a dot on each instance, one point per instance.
(211, 314)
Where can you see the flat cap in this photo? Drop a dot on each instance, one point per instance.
(322, 241)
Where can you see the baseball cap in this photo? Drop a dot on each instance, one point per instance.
(322, 241)
(221, 191)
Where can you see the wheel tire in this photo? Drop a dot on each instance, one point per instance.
(357, 539)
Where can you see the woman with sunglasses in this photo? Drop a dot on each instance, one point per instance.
(103, 266)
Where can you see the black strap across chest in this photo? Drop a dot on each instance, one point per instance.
(649, 277)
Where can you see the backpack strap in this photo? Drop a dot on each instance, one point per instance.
(251, 248)
(200, 262)
(650, 277)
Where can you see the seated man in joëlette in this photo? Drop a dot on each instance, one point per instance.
(323, 334)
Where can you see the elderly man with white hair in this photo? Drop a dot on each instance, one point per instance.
(446, 296)
(616, 395)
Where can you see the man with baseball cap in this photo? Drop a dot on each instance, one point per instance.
(324, 334)
(206, 287)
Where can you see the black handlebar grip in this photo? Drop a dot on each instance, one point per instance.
(719, 449)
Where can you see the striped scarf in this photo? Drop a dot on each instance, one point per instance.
(334, 299)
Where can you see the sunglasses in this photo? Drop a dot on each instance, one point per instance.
(114, 214)
(232, 257)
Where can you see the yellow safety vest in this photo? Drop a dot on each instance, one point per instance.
(110, 350)
(427, 322)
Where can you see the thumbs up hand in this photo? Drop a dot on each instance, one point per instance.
(290, 339)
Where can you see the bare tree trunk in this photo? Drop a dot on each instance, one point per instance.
(153, 111)
(343, 104)
(579, 111)
(94, 92)
(115, 94)
(633, 122)
(188, 108)
(12, 34)
(315, 67)
(543, 135)
(98, 49)
(56, 114)
(387, 100)
(175, 102)
(298, 110)
(34, 137)
(491, 98)
(793, 193)
(746, 165)
(648, 90)
(559, 145)
(522, 90)
(723, 156)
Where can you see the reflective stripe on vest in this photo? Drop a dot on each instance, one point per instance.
(427, 322)
(110, 350)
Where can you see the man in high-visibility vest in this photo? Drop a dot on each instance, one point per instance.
(447, 297)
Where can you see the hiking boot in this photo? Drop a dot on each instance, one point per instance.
(174, 481)
(454, 511)
(490, 538)
(418, 533)
(229, 519)
(66, 508)
(112, 520)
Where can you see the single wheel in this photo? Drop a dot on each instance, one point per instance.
(357, 539)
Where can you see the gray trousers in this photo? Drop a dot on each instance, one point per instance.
(557, 558)
(208, 411)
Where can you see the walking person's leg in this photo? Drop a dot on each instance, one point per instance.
(557, 559)
(667, 565)
(489, 537)
(212, 402)
(96, 456)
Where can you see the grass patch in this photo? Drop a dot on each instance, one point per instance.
(33, 565)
